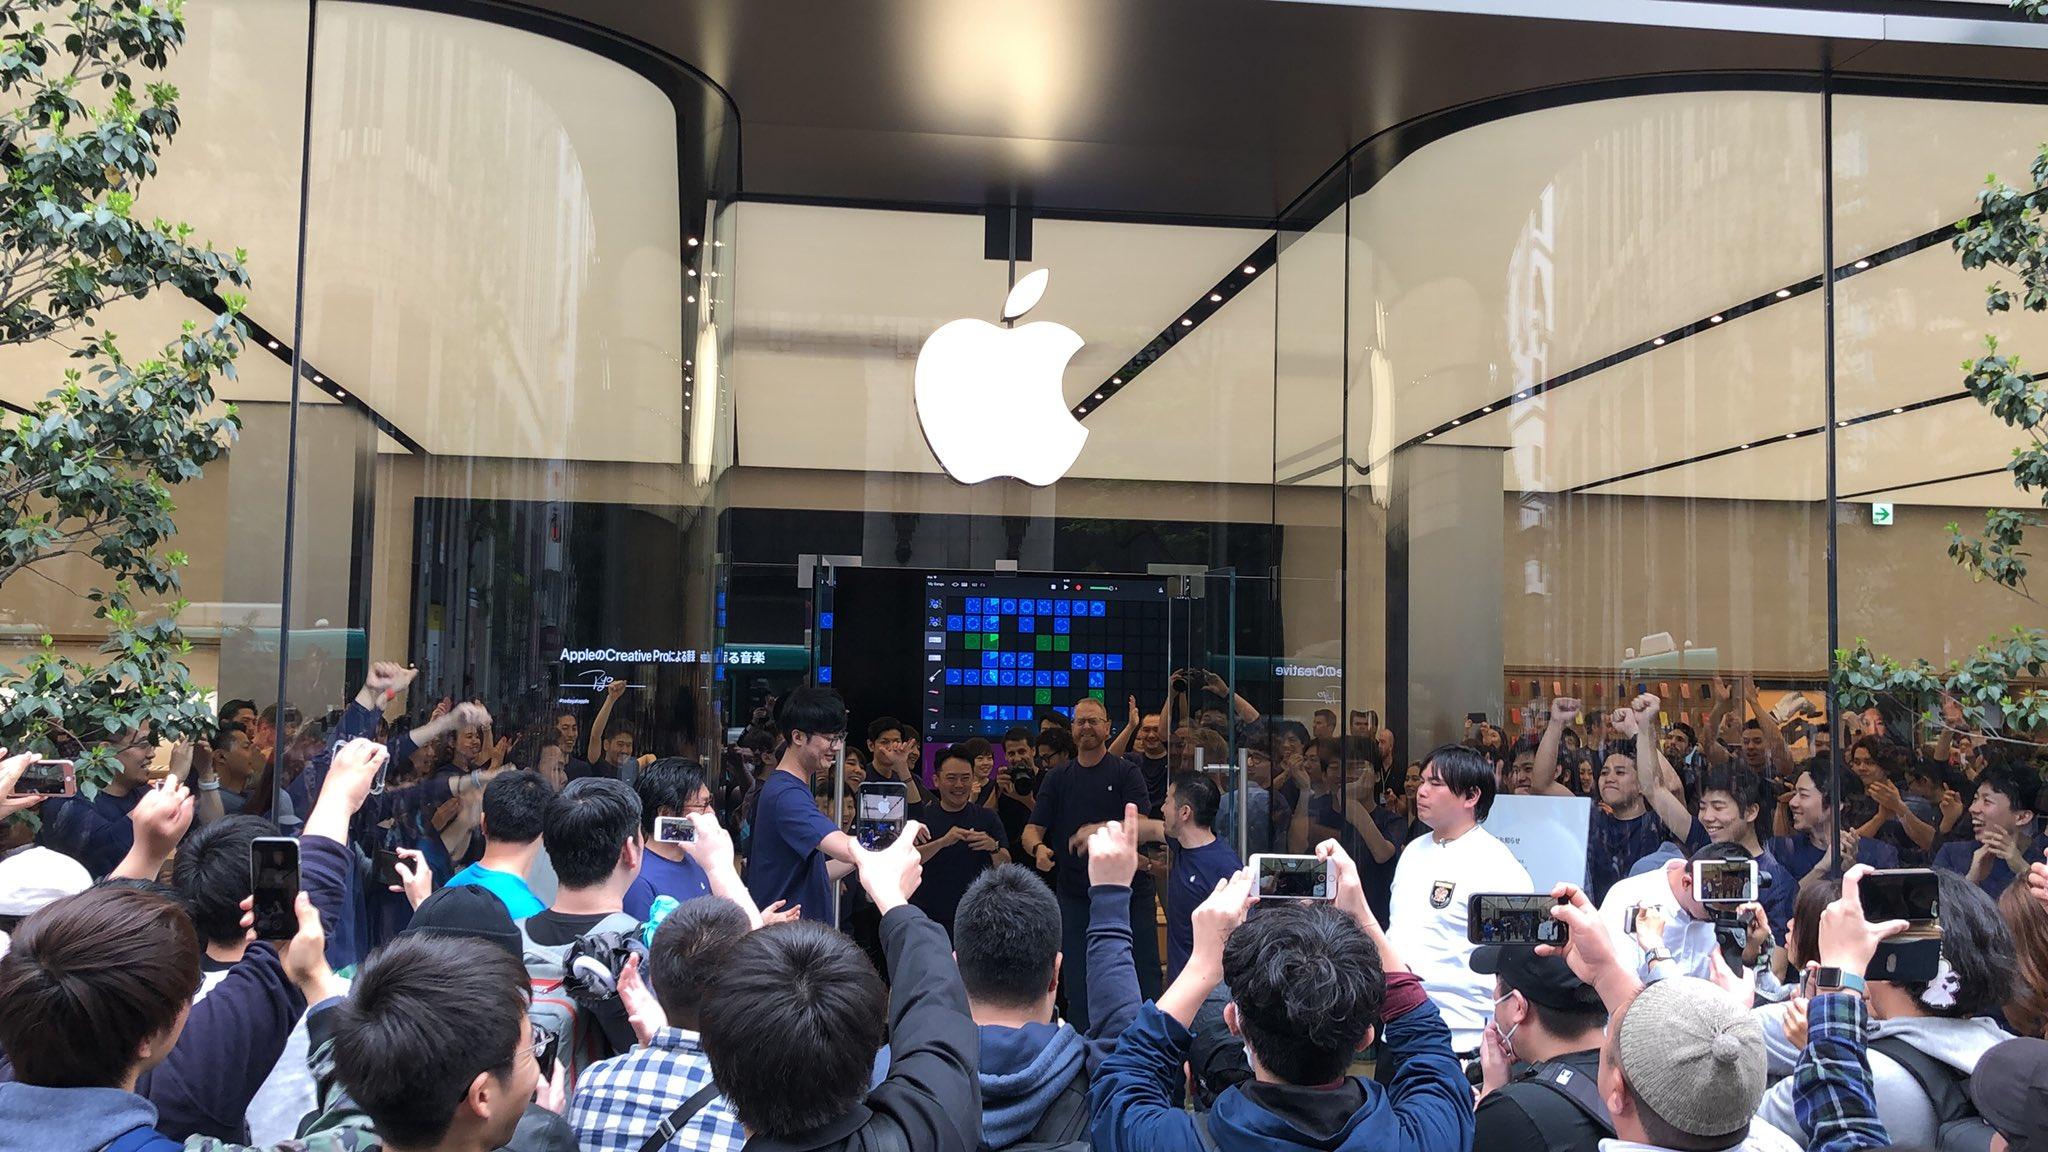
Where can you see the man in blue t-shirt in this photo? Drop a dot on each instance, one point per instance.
(1806, 852)
(1200, 860)
(798, 854)
(96, 832)
(668, 787)
(515, 814)
(2008, 832)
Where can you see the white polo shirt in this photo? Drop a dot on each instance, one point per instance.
(1691, 942)
(1427, 913)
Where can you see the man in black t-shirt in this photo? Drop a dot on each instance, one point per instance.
(1143, 742)
(962, 838)
(1540, 1056)
(1073, 800)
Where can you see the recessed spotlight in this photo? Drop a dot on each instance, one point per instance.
(1186, 323)
(686, 361)
(340, 393)
(693, 241)
(1791, 435)
(1427, 435)
(1659, 342)
(1714, 319)
(1486, 409)
(1116, 379)
(1251, 270)
(1898, 411)
(1521, 395)
(690, 271)
(714, 273)
(1863, 263)
(1745, 447)
(1215, 297)
(1841, 423)
(718, 243)
(319, 379)
(689, 299)
(1455, 423)
(1784, 292)
(272, 343)
(1098, 395)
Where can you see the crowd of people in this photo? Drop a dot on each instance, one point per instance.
(550, 940)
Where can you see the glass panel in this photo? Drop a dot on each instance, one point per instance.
(512, 419)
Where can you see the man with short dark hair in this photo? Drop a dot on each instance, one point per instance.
(794, 1014)
(95, 830)
(1323, 724)
(890, 743)
(592, 834)
(1808, 853)
(1073, 801)
(1310, 984)
(621, 1102)
(515, 810)
(1675, 930)
(1540, 1056)
(1438, 873)
(670, 786)
(1199, 860)
(798, 854)
(2007, 832)
(1731, 802)
(964, 838)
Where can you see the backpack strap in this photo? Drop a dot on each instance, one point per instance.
(674, 1121)
(1943, 1083)
(1066, 1118)
(1566, 1086)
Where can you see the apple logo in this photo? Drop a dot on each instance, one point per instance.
(989, 399)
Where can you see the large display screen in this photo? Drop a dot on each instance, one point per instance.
(998, 648)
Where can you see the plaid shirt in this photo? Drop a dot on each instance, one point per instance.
(1832, 1093)
(621, 1101)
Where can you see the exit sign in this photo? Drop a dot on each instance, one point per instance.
(1881, 515)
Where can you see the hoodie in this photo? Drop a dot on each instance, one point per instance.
(68, 1119)
(1022, 1071)
(1901, 1105)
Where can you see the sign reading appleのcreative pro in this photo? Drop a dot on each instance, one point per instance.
(989, 399)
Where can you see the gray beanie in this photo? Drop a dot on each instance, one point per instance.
(1692, 1057)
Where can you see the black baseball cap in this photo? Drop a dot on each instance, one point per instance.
(1545, 980)
(2010, 1089)
(467, 910)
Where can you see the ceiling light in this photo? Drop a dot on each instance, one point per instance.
(1841, 423)
(1215, 297)
(686, 361)
(1186, 323)
(1784, 292)
(689, 299)
(1898, 411)
(714, 273)
(1098, 395)
(1659, 341)
(718, 243)
(319, 379)
(693, 241)
(272, 343)
(1863, 263)
(341, 394)
(1116, 379)
(690, 271)
(1486, 409)
(1427, 435)
(1745, 447)
(1791, 435)
(1714, 319)
(1521, 395)
(1455, 423)
(1251, 270)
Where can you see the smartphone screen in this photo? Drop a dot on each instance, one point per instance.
(386, 871)
(1512, 918)
(274, 882)
(674, 830)
(1910, 894)
(878, 819)
(1292, 878)
(48, 778)
(1724, 881)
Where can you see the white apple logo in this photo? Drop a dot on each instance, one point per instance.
(989, 398)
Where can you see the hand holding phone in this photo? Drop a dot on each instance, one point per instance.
(1514, 919)
(882, 808)
(674, 830)
(274, 886)
(39, 777)
(1281, 877)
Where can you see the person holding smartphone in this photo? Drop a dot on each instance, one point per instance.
(669, 787)
(95, 831)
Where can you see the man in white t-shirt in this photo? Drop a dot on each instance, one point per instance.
(1437, 874)
(1674, 932)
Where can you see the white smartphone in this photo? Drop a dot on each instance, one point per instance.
(1277, 877)
(674, 830)
(1724, 881)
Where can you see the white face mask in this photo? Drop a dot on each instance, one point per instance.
(1507, 1035)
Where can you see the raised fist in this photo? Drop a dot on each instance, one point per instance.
(1565, 709)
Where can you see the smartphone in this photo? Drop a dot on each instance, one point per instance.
(1724, 881)
(1475, 718)
(377, 782)
(1909, 894)
(385, 870)
(878, 818)
(274, 883)
(48, 778)
(674, 830)
(1277, 877)
(545, 1056)
(1513, 918)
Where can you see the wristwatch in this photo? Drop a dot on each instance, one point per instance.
(1836, 980)
(206, 785)
(1656, 956)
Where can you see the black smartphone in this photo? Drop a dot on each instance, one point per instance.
(274, 883)
(879, 815)
(1513, 918)
(1909, 894)
(385, 871)
(1475, 718)
(48, 778)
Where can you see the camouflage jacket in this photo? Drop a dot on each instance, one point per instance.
(336, 1124)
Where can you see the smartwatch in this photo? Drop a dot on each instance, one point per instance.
(1827, 979)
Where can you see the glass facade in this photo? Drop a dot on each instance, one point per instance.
(1512, 406)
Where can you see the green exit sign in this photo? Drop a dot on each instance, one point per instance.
(1881, 515)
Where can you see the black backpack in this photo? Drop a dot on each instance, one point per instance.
(1565, 1094)
(1064, 1127)
(1958, 1127)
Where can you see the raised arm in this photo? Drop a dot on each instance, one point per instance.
(1724, 703)
(1122, 743)
(595, 745)
(1543, 777)
(1774, 737)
